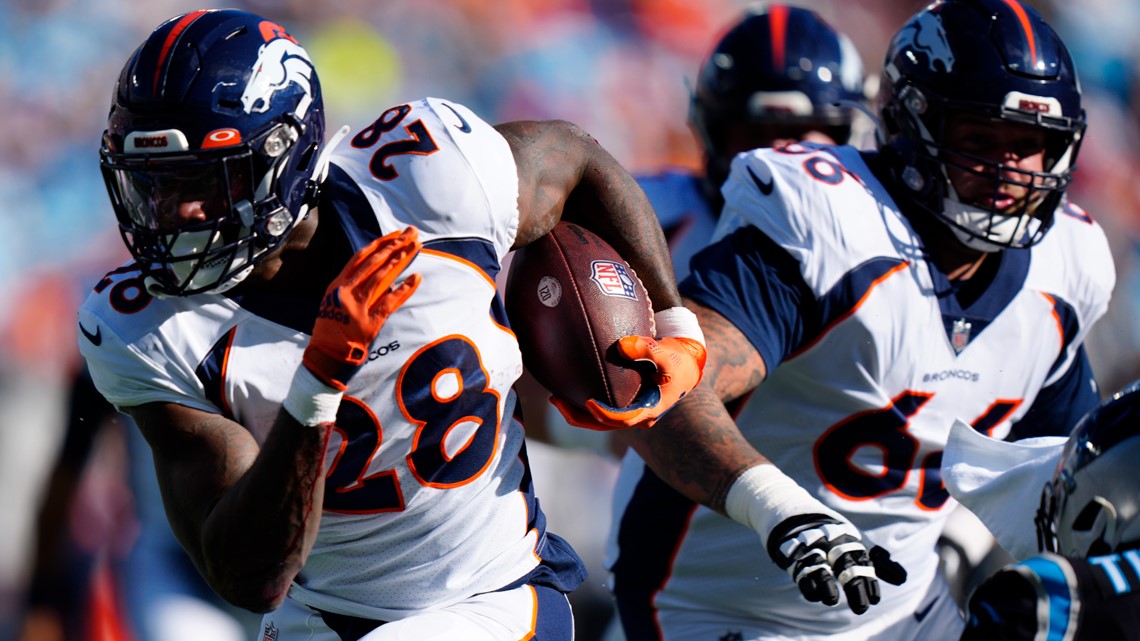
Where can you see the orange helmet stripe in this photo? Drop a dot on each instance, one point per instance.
(1025, 26)
(778, 17)
(171, 37)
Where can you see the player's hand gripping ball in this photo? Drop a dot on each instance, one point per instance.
(570, 298)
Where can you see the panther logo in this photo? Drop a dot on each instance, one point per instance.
(926, 35)
(280, 63)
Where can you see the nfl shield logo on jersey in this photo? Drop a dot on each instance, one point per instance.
(613, 279)
(270, 633)
(960, 335)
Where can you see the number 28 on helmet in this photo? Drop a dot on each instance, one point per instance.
(211, 150)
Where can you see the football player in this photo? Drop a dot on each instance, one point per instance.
(1086, 585)
(779, 75)
(854, 304)
(752, 91)
(310, 339)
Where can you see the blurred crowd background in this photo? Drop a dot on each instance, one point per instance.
(619, 68)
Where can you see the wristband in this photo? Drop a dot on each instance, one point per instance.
(678, 322)
(763, 496)
(310, 400)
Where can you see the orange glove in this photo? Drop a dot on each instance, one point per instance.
(680, 363)
(357, 303)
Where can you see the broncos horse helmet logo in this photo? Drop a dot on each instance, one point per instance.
(280, 62)
(925, 35)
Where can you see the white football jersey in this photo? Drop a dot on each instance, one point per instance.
(870, 359)
(429, 497)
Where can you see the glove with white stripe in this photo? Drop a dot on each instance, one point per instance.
(822, 554)
(821, 550)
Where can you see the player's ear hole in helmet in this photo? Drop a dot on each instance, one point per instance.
(1091, 505)
(211, 148)
(995, 61)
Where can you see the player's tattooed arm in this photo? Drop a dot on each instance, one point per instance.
(565, 174)
(216, 488)
(696, 447)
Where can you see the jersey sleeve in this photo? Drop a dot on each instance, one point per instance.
(132, 358)
(1078, 270)
(434, 164)
(1059, 405)
(756, 286)
(777, 249)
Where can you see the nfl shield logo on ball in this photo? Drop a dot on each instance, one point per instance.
(613, 279)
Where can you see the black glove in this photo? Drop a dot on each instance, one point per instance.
(821, 554)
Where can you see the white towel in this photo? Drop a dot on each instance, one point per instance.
(1001, 482)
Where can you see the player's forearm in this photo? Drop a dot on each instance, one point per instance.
(609, 202)
(697, 449)
(259, 535)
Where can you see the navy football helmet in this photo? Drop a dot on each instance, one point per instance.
(999, 60)
(780, 67)
(1092, 504)
(221, 109)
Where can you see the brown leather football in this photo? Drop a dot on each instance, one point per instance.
(570, 297)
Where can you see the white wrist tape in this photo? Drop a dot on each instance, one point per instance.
(310, 401)
(763, 496)
(678, 322)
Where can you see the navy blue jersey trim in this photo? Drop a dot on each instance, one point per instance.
(651, 529)
(1007, 282)
(211, 372)
(1058, 407)
(554, 620)
(341, 194)
(477, 251)
(758, 286)
(1069, 323)
(561, 567)
(481, 253)
(847, 294)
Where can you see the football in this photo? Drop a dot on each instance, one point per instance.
(569, 298)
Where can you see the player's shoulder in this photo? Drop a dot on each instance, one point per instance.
(1075, 229)
(435, 164)
(426, 136)
(808, 165)
(120, 311)
(802, 180)
(808, 196)
(141, 348)
(1075, 256)
(120, 303)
